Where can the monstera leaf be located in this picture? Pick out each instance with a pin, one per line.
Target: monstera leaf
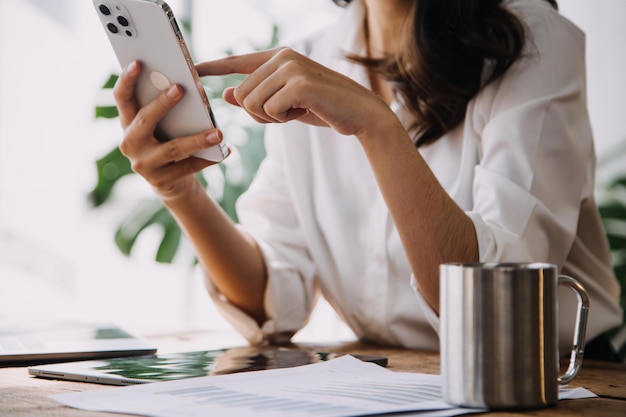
(111, 168)
(148, 213)
(613, 213)
(108, 112)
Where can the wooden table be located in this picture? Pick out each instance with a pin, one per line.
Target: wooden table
(21, 395)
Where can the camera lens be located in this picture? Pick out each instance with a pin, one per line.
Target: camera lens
(122, 21)
(112, 28)
(104, 10)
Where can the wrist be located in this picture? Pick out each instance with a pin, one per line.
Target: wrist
(379, 134)
(181, 193)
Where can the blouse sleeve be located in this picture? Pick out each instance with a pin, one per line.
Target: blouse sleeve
(536, 159)
(267, 213)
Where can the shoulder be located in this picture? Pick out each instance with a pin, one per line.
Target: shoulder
(553, 59)
(546, 26)
(547, 83)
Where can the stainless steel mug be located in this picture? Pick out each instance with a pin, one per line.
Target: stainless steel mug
(499, 334)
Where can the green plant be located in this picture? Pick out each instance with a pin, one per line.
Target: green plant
(612, 208)
(114, 166)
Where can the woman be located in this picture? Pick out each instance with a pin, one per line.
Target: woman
(409, 134)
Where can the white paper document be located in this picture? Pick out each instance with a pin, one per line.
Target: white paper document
(340, 387)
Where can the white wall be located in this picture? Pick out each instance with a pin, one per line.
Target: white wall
(57, 257)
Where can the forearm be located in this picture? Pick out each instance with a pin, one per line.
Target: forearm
(433, 228)
(231, 259)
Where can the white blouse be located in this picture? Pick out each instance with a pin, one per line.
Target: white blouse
(521, 165)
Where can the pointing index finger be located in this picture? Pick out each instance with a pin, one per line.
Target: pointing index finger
(236, 64)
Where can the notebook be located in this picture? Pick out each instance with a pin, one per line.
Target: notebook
(20, 346)
(173, 366)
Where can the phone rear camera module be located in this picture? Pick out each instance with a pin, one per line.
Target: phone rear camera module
(115, 18)
(104, 10)
(112, 28)
(122, 21)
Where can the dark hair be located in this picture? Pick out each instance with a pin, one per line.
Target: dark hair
(438, 66)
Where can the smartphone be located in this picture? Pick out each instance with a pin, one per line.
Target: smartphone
(146, 31)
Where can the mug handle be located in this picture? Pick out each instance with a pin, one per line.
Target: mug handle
(576, 357)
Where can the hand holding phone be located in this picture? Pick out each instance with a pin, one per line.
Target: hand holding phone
(146, 31)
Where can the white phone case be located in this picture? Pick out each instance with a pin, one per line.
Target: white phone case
(146, 30)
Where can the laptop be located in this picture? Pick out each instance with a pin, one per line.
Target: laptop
(62, 342)
(173, 366)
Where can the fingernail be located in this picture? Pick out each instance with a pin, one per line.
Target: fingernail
(173, 92)
(132, 68)
(214, 137)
